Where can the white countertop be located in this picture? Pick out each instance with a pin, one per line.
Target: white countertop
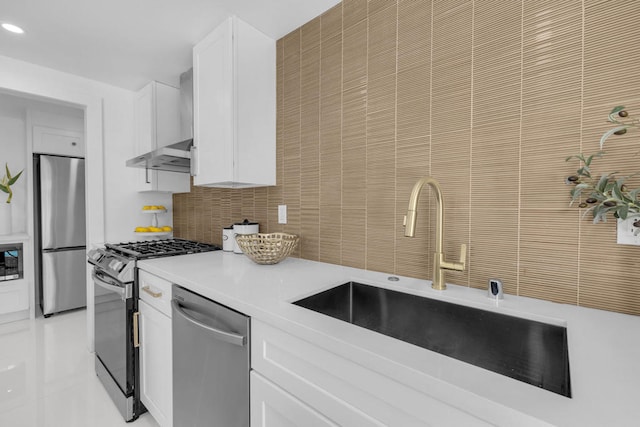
(14, 238)
(604, 347)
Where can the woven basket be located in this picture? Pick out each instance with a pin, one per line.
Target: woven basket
(267, 248)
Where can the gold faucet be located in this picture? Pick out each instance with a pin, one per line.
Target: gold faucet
(439, 263)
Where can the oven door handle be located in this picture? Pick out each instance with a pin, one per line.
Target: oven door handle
(229, 337)
(120, 290)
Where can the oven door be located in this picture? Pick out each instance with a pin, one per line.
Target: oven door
(113, 329)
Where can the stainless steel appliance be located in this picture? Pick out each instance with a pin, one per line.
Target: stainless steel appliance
(60, 233)
(210, 362)
(114, 277)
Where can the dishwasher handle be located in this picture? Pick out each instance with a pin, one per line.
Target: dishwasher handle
(235, 339)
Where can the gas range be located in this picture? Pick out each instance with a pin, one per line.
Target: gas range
(160, 248)
(116, 314)
(118, 260)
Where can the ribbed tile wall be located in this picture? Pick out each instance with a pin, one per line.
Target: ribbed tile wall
(487, 96)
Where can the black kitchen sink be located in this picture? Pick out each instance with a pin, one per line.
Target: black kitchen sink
(526, 350)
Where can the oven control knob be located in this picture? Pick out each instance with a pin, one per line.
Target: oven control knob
(115, 265)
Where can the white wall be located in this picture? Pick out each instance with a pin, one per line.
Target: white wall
(58, 120)
(123, 203)
(14, 153)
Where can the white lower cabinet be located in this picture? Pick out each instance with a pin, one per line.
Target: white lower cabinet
(14, 296)
(271, 406)
(156, 376)
(306, 378)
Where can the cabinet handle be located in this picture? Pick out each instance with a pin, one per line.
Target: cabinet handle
(194, 160)
(146, 176)
(148, 290)
(136, 335)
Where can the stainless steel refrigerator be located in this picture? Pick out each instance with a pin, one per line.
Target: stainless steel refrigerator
(60, 233)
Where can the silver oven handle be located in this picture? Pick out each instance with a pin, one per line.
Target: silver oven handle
(120, 290)
(229, 337)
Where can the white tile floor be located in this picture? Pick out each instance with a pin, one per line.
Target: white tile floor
(47, 377)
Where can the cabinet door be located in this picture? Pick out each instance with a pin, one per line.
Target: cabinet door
(234, 75)
(14, 296)
(271, 406)
(255, 106)
(156, 380)
(213, 106)
(62, 142)
(157, 124)
(345, 391)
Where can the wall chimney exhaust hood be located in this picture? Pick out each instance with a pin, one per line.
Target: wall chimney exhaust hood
(172, 158)
(175, 157)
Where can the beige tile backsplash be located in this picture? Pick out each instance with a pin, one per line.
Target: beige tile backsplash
(488, 97)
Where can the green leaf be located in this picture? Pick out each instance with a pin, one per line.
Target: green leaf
(596, 213)
(602, 184)
(575, 156)
(617, 109)
(587, 211)
(4, 189)
(584, 171)
(577, 191)
(609, 187)
(623, 211)
(6, 166)
(616, 192)
(613, 112)
(593, 156)
(15, 178)
(611, 132)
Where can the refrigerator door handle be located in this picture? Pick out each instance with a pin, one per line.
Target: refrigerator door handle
(120, 290)
(229, 337)
(62, 249)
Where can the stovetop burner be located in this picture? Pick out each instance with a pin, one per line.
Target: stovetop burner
(160, 248)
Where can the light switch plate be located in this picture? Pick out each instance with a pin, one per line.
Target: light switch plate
(282, 214)
(626, 232)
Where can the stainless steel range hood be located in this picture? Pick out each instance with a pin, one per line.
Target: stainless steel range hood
(172, 158)
(175, 157)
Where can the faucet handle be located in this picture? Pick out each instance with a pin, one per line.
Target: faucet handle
(463, 255)
(455, 266)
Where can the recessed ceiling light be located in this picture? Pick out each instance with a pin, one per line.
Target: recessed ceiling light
(12, 28)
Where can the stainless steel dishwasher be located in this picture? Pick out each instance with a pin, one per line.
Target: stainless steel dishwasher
(210, 363)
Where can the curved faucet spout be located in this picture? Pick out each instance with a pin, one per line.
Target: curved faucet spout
(439, 264)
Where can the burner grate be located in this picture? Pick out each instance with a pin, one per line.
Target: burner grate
(160, 248)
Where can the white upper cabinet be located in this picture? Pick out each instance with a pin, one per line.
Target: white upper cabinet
(157, 124)
(234, 76)
(62, 142)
